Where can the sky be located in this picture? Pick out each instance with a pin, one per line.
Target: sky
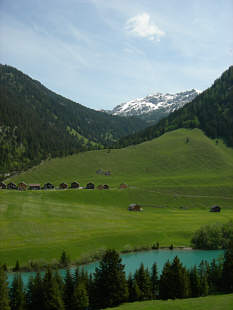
(101, 53)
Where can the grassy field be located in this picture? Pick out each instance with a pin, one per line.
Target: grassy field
(219, 302)
(176, 183)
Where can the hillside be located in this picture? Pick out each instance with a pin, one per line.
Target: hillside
(211, 111)
(36, 123)
(219, 302)
(174, 181)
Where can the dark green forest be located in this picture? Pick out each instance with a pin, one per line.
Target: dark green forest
(211, 111)
(109, 286)
(36, 123)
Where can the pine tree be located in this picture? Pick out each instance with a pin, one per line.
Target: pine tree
(227, 273)
(4, 297)
(154, 282)
(68, 295)
(52, 298)
(81, 299)
(142, 277)
(110, 282)
(165, 282)
(17, 295)
(195, 284)
(64, 259)
(134, 290)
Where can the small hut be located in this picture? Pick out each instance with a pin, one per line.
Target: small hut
(34, 187)
(11, 186)
(2, 185)
(107, 173)
(90, 186)
(134, 207)
(22, 186)
(215, 209)
(63, 186)
(106, 186)
(74, 185)
(123, 185)
(48, 186)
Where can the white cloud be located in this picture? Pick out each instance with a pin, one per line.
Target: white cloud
(142, 26)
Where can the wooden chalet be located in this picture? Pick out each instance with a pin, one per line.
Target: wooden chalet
(107, 173)
(22, 186)
(48, 186)
(90, 186)
(123, 185)
(63, 186)
(134, 207)
(75, 185)
(106, 186)
(3, 185)
(11, 186)
(34, 187)
(215, 209)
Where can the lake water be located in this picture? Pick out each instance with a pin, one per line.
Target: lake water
(132, 261)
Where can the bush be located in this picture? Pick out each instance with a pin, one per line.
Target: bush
(213, 237)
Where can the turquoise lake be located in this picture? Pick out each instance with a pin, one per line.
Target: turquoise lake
(133, 260)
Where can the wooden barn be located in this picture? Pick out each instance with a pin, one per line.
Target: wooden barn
(34, 187)
(11, 186)
(90, 186)
(22, 186)
(63, 186)
(215, 209)
(134, 207)
(48, 186)
(75, 185)
(2, 185)
(123, 185)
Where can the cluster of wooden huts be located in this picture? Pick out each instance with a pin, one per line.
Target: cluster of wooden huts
(22, 186)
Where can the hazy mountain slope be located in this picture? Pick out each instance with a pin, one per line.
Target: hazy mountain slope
(156, 106)
(211, 111)
(36, 123)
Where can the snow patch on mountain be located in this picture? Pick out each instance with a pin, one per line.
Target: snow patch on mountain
(165, 103)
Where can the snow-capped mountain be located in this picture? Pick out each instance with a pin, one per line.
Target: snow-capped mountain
(155, 106)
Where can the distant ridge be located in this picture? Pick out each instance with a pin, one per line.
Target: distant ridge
(155, 106)
(211, 111)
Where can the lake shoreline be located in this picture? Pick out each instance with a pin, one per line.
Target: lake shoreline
(94, 258)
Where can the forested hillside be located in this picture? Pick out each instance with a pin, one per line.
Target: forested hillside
(36, 123)
(211, 111)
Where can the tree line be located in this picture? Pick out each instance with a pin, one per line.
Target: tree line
(108, 286)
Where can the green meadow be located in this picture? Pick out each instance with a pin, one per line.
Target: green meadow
(175, 182)
(219, 302)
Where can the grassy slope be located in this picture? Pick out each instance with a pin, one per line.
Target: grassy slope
(220, 302)
(164, 172)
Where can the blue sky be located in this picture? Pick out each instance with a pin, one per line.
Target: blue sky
(101, 53)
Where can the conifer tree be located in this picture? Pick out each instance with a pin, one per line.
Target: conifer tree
(142, 276)
(165, 282)
(52, 298)
(81, 299)
(227, 273)
(195, 284)
(64, 259)
(4, 297)
(68, 295)
(154, 282)
(134, 290)
(110, 282)
(17, 295)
